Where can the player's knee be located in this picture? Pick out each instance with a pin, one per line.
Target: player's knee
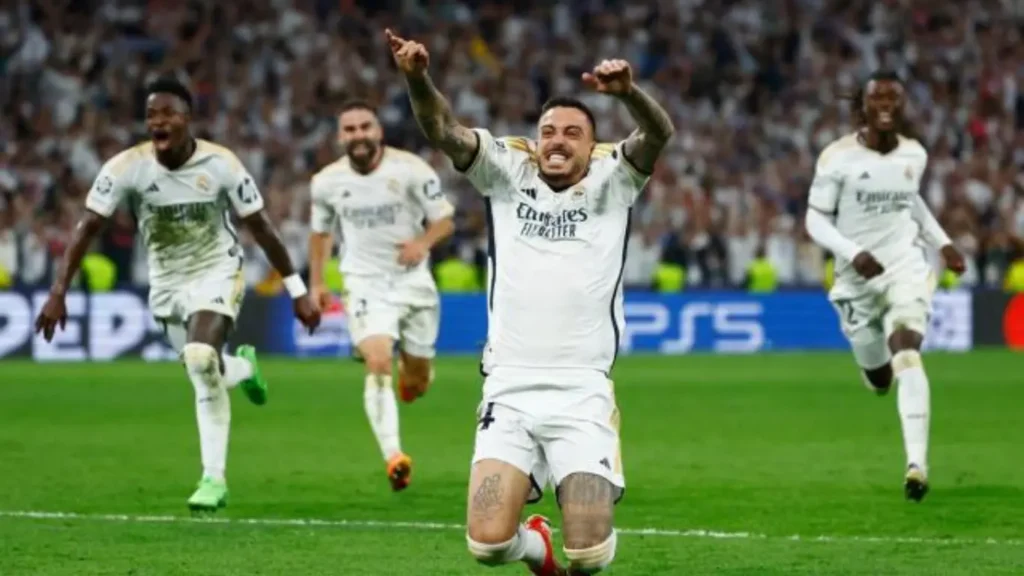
(906, 360)
(490, 546)
(590, 559)
(378, 363)
(202, 360)
(907, 335)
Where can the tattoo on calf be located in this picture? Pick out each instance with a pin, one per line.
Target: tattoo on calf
(489, 497)
(586, 489)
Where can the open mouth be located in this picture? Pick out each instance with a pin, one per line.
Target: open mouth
(885, 117)
(557, 159)
(161, 136)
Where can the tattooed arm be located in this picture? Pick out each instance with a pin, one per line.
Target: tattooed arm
(654, 129)
(438, 123)
(432, 111)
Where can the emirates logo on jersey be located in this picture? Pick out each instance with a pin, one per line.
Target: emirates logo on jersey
(549, 225)
(885, 201)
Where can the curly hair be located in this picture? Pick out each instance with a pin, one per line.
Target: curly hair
(903, 128)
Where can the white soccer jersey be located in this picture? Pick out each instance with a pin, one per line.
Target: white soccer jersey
(872, 196)
(379, 210)
(555, 259)
(183, 213)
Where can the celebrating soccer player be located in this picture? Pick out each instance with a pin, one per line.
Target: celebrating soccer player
(558, 211)
(381, 196)
(180, 188)
(865, 208)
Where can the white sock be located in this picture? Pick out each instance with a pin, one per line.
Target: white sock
(235, 370)
(526, 546)
(382, 411)
(213, 411)
(914, 399)
(533, 546)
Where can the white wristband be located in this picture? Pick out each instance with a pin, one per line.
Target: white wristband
(295, 286)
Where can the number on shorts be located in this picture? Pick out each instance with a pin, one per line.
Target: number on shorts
(488, 418)
(846, 310)
(360, 309)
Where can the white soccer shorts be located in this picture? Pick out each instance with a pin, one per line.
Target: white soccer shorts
(870, 318)
(372, 313)
(219, 291)
(550, 433)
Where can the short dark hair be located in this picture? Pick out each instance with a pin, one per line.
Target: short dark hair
(904, 129)
(570, 102)
(357, 104)
(170, 85)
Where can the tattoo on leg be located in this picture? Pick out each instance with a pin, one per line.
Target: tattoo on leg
(586, 490)
(588, 503)
(489, 497)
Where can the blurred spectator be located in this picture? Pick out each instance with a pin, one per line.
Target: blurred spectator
(8, 252)
(643, 253)
(755, 88)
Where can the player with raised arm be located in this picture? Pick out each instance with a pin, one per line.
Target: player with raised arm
(558, 211)
(180, 189)
(381, 196)
(865, 208)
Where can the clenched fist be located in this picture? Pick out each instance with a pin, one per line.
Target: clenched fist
(613, 77)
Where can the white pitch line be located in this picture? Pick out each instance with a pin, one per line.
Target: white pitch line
(441, 526)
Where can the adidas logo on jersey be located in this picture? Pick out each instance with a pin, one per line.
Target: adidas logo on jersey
(531, 192)
(152, 188)
(218, 300)
(865, 176)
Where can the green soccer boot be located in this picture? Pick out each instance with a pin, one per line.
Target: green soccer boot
(255, 387)
(209, 496)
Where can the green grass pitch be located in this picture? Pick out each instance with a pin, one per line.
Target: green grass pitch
(787, 462)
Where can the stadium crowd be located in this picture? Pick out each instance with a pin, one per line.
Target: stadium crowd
(756, 89)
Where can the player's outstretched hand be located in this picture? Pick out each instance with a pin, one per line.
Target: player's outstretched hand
(411, 57)
(954, 259)
(614, 77)
(866, 265)
(307, 312)
(53, 314)
(412, 252)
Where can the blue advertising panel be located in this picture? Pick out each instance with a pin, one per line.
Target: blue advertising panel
(701, 322)
(118, 324)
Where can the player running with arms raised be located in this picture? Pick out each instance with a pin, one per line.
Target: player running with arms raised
(559, 212)
(865, 208)
(180, 188)
(381, 196)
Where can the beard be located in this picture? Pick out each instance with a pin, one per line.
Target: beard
(362, 151)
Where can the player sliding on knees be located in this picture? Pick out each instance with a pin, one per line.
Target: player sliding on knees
(180, 188)
(865, 208)
(558, 212)
(381, 196)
